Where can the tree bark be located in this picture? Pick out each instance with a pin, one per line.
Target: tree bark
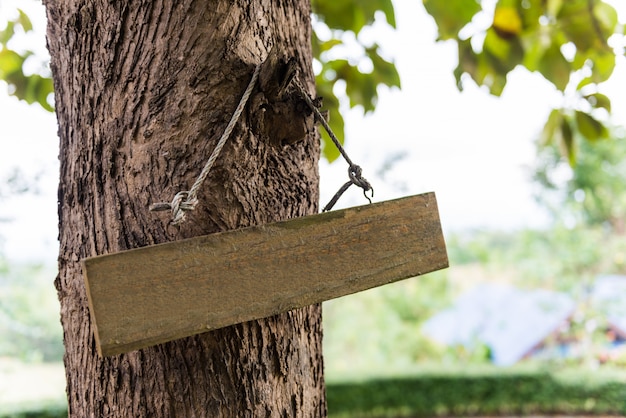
(143, 91)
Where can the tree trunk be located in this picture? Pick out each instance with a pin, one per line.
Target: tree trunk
(143, 90)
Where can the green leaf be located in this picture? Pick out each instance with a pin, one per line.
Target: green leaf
(319, 46)
(599, 100)
(531, 11)
(606, 18)
(7, 33)
(10, 63)
(24, 21)
(361, 90)
(38, 89)
(328, 45)
(496, 83)
(500, 56)
(567, 142)
(600, 60)
(30, 88)
(580, 25)
(484, 70)
(497, 46)
(390, 14)
(584, 82)
(603, 65)
(352, 15)
(575, 23)
(468, 62)
(384, 71)
(553, 7)
(589, 127)
(550, 128)
(508, 52)
(554, 67)
(451, 15)
(33, 88)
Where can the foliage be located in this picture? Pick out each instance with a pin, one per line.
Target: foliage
(380, 328)
(340, 21)
(33, 88)
(29, 321)
(573, 44)
(336, 32)
(593, 192)
(560, 258)
(30, 409)
(484, 393)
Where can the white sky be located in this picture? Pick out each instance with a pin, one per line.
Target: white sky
(470, 148)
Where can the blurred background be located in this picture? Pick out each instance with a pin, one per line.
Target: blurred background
(530, 318)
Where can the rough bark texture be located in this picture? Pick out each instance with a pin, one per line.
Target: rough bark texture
(144, 89)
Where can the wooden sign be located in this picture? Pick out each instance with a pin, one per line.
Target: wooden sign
(155, 294)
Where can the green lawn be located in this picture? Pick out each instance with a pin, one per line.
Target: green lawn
(31, 387)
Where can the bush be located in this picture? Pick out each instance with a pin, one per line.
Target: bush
(42, 410)
(487, 393)
(30, 327)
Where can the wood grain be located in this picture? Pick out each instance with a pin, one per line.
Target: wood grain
(155, 294)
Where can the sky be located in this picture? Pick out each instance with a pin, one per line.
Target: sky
(472, 149)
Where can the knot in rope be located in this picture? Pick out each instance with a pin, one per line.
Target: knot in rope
(181, 203)
(354, 172)
(186, 201)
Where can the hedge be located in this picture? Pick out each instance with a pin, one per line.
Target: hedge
(510, 393)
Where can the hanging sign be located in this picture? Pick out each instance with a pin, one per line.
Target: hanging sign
(159, 293)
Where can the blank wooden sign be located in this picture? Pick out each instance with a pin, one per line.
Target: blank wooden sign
(163, 292)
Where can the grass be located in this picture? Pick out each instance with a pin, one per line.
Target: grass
(31, 388)
(484, 390)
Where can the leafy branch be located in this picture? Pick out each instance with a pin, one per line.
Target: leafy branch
(32, 88)
(567, 42)
(341, 19)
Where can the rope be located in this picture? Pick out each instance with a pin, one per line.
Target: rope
(185, 201)
(354, 171)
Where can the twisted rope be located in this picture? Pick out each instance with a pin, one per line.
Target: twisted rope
(185, 201)
(354, 171)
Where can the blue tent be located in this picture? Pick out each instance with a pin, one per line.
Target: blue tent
(609, 297)
(510, 321)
